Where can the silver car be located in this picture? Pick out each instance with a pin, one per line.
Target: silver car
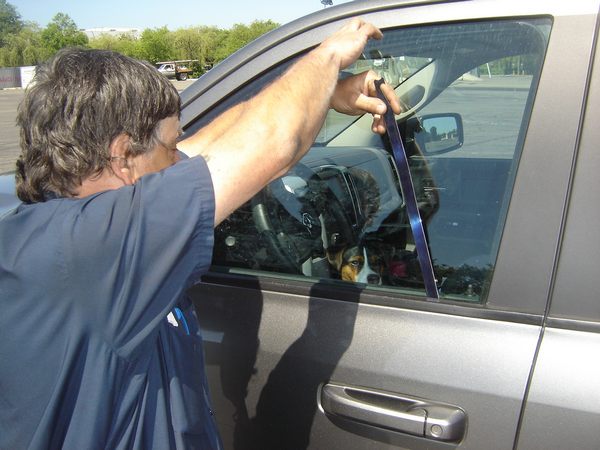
(445, 300)
(501, 105)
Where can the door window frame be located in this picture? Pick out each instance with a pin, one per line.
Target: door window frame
(521, 279)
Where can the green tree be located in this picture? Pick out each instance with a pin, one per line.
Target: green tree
(212, 39)
(260, 27)
(10, 21)
(199, 43)
(241, 35)
(156, 45)
(62, 32)
(103, 42)
(187, 43)
(129, 45)
(24, 48)
(25, 43)
(126, 43)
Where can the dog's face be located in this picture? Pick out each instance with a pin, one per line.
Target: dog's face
(356, 264)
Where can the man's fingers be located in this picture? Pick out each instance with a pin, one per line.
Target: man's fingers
(371, 30)
(372, 105)
(378, 125)
(350, 40)
(386, 89)
(353, 24)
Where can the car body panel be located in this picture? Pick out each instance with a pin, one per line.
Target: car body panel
(563, 401)
(580, 246)
(536, 210)
(482, 365)
(167, 70)
(564, 392)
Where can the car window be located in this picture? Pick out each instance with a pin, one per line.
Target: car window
(340, 214)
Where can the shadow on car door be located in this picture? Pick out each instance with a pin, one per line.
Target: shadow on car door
(287, 404)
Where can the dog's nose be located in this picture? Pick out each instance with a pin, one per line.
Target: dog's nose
(373, 278)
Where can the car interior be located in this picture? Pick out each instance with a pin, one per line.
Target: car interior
(346, 190)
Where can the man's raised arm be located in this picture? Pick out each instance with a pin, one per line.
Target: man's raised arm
(261, 139)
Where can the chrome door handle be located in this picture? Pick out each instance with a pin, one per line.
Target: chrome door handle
(395, 412)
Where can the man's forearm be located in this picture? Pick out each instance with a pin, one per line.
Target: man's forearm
(282, 119)
(260, 139)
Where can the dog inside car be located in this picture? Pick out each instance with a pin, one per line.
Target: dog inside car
(351, 256)
(357, 263)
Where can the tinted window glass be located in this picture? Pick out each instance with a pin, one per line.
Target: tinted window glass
(340, 214)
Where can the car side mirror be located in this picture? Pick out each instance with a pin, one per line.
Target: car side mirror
(438, 133)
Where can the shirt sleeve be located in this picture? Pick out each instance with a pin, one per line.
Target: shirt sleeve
(133, 251)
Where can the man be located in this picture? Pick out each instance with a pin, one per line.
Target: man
(98, 346)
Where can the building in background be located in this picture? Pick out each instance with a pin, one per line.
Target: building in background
(92, 33)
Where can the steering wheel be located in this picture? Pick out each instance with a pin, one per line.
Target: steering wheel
(290, 214)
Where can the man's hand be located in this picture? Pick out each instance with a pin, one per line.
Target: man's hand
(349, 41)
(356, 95)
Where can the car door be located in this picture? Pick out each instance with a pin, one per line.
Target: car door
(565, 389)
(298, 358)
(169, 70)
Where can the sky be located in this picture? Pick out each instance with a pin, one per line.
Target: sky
(169, 13)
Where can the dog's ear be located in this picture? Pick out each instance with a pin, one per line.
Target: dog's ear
(378, 247)
(334, 256)
(335, 251)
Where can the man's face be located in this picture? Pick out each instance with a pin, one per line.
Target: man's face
(164, 155)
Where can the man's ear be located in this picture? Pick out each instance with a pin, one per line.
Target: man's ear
(119, 150)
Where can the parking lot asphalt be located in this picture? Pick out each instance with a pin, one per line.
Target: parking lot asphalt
(9, 133)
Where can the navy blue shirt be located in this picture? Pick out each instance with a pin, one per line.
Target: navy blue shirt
(99, 348)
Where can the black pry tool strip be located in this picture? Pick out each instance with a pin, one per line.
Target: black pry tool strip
(410, 199)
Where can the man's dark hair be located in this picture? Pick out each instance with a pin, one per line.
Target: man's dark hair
(79, 102)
